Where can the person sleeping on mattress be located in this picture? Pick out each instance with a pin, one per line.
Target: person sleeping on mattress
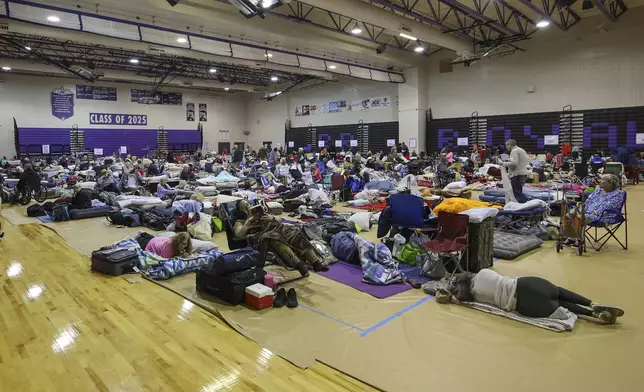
(529, 296)
(179, 245)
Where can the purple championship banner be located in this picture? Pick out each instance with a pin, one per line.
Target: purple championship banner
(118, 119)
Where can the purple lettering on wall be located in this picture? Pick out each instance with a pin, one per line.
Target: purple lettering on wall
(326, 138)
(527, 130)
(447, 137)
(600, 131)
(507, 134)
(346, 139)
(631, 135)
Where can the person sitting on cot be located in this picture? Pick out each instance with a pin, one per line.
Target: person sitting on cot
(179, 245)
(164, 190)
(286, 241)
(529, 296)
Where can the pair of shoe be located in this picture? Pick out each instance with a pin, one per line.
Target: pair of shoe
(283, 298)
(606, 313)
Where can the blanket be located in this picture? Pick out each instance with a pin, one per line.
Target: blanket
(558, 324)
(159, 268)
(124, 201)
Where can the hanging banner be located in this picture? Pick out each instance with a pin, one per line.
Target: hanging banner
(123, 150)
(320, 143)
(45, 148)
(62, 103)
(98, 151)
(380, 102)
(337, 106)
(551, 140)
(412, 143)
(203, 112)
(639, 138)
(361, 105)
(298, 111)
(96, 93)
(391, 142)
(338, 143)
(313, 109)
(354, 143)
(291, 144)
(118, 119)
(306, 110)
(190, 111)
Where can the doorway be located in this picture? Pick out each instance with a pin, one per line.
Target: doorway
(223, 146)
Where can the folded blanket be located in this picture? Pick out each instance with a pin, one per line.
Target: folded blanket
(124, 201)
(561, 320)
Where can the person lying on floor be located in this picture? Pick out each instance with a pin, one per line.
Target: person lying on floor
(606, 197)
(179, 245)
(286, 241)
(529, 296)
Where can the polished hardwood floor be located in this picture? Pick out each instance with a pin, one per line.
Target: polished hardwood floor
(64, 328)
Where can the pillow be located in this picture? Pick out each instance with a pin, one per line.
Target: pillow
(456, 185)
(361, 220)
(199, 246)
(479, 214)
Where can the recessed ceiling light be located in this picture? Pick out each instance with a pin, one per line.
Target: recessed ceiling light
(419, 49)
(269, 55)
(5, 68)
(274, 78)
(332, 67)
(542, 24)
(227, 88)
(182, 40)
(134, 61)
(267, 3)
(356, 30)
(53, 18)
(410, 37)
(212, 70)
(27, 47)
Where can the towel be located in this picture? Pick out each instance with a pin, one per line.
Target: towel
(561, 320)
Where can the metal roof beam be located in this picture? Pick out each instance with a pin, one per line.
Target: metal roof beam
(611, 9)
(567, 17)
(480, 17)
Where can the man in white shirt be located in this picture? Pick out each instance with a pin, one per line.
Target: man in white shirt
(517, 169)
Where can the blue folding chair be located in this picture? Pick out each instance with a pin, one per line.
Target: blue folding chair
(610, 220)
(407, 211)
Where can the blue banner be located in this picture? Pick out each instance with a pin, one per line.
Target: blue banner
(62, 103)
(118, 119)
(96, 93)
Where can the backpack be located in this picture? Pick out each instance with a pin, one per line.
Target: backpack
(35, 211)
(155, 221)
(238, 260)
(119, 218)
(60, 213)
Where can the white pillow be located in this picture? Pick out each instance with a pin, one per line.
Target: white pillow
(455, 185)
(361, 220)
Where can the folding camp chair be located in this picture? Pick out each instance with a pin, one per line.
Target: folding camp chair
(452, 238)
(610, 220)
(407, 211)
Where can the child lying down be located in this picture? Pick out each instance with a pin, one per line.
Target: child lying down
(529, 296)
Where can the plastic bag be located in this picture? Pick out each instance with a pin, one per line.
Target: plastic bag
(507, 186)
(201, 230)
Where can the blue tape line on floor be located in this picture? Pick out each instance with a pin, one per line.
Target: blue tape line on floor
(332, 318)
(495, 259)
(394, 316)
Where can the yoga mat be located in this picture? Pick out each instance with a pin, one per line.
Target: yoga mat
(351, 275)
(413, 273)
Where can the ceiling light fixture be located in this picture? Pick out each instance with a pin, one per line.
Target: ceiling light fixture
(5, 68)
(227, 88)
(134, 61)
(53, 18)
(274, 79)
(332, 67)
(269, 55)
(212, 70)
(409, 37)
(542, 24)
(27, 47)
(267, 3)
(182, 40)
(419, 49)
(356, 30)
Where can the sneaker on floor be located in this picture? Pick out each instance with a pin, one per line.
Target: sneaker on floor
(615, 311)
(605, 316)
(291, 299)
(280, 298)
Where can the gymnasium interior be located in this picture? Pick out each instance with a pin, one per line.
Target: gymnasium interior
(321, 195)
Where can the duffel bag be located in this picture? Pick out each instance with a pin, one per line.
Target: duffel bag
(230, 287)
(118, 218)
(35, 210)
(60, 213)
(291, 205)
(155, 221)
(236, 261)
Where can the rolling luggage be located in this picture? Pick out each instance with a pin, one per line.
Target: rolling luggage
(114, 261)
(228, 287)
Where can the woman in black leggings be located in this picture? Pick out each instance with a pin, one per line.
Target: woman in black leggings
(529, 296)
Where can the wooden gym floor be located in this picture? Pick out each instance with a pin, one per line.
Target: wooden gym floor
(64, 328)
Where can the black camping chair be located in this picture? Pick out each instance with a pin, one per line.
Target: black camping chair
(229, 224)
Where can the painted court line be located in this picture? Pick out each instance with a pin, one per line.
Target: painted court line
(332, 318)
(395, 316)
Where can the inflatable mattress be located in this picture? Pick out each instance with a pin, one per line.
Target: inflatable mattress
(90, 212)
(509, 246)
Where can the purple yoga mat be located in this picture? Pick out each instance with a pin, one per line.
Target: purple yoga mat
(351, 275)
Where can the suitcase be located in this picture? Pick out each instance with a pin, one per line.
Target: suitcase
(229, 287)
(481, 239)
(114, 261)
